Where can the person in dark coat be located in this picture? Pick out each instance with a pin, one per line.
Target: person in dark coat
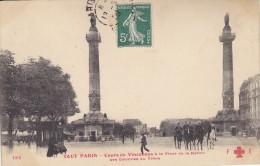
(209, 131)
(258, 135)
(51, 148)
(143, 144)
(29, 142)
(133, 136)
(186, 128)
(178, 131)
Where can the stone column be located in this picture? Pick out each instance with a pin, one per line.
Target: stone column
(228, 88)
(93, 38)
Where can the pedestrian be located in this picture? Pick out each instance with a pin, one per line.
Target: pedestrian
(29, 142)
(133, 136)
(123, 136)
(143, 144)
(50, 148)
(258, 135)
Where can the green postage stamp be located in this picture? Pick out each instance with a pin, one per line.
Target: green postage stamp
(134, 25)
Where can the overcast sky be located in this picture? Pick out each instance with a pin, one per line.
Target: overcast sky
(179, 77)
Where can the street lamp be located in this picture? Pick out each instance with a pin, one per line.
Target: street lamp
(35, 117)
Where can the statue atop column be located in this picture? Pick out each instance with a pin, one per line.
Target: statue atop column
(226, 20)
(93, 23)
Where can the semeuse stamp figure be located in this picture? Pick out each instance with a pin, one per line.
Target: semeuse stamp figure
(134, 25)
(130, 22)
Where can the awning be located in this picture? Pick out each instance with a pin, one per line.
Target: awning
(25, 133)
(67, 133)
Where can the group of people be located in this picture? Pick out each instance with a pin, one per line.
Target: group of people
(28, 140)
(125, 135)
(190, 134)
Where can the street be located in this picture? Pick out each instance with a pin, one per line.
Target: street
(162, 150)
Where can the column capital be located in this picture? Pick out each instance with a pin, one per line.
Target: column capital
(93, 37)
(227, 37)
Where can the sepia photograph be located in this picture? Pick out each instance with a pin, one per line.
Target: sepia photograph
(129, 82)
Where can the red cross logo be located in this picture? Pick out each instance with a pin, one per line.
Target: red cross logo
(239, 151)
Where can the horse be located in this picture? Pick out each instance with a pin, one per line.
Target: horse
(175, 139)
(211, 139)
(179, 139)
(189, 138)
(132, 138)
(199, 135)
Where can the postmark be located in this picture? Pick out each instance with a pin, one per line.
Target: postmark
(134, 25)
(105, 11)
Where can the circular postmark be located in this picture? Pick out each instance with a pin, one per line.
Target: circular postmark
(105, 10)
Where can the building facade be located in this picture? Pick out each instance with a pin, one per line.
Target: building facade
(249, 100)
(137, 124)
(244, 102)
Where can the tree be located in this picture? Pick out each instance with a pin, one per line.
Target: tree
(129, 130)
(168, 127)
(69, 127)
(22, 125)
(10, 98)
(47, 92)
(118, 128)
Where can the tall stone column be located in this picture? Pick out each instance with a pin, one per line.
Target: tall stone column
(228, 88)
(94, 39)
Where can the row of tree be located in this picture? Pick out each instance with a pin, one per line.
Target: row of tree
(34, 89)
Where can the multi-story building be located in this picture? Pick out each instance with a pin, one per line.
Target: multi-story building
(244, 103)
(249, 100)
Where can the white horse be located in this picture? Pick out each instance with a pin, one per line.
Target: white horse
(212, 137)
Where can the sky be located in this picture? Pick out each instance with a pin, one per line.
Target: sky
(180, 76)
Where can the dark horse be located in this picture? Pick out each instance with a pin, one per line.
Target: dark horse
(199, 134)
(175, 139)
(189, 138)
(179, 139)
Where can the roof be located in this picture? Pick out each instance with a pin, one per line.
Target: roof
(84, 122)
(132, 121)
(108, 121)
(244, 84)
(78, 122)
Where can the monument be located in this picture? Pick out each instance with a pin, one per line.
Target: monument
(227, 121)
(228, 88)
(93, 38)
(94, 124)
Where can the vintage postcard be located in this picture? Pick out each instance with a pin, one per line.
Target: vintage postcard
(129, 82)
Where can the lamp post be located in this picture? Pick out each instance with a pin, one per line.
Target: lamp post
(36, 116)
